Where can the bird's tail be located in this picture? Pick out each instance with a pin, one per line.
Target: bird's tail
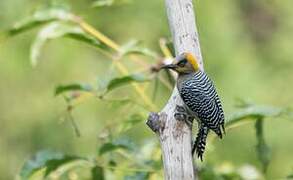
(220, 130)
(200, 141)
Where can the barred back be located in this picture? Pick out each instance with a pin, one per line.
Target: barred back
(200, 96)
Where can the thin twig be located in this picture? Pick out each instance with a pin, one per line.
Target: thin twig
(94, 32)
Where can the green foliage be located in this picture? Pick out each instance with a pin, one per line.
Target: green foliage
(118, 157)
(41, 17)
(290, 176)
(138, 176)
(71, 87)
(228, 171)
(135, 47)
(118, 103)
(56, 30)
(253, 112)
(52, 161)
(130, 122)
(121, 143)
(45, 159)
(97, 173)
(263, 150)
(102, 3)
(120, 81)
(250, 112)
(59, 22)
(209, 172)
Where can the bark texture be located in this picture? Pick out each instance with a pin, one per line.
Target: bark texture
(176, 136)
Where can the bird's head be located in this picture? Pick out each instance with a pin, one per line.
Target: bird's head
(184, 63)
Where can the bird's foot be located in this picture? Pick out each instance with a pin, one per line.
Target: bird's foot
(181, 114)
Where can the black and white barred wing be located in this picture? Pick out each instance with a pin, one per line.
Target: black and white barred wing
(200, 96)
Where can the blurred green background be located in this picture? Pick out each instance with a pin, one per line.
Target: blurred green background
(247, 49)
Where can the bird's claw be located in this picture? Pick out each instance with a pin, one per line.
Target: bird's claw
(181, 114)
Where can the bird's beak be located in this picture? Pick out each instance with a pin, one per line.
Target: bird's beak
(168, 66)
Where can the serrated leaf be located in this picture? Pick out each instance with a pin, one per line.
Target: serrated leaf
(252, 113)
(41, 17)
(120, 81)
(56, 30)
(122, 143)
(45, 159)
(263, 150)
(97, 173)
(134, 47)
(71, 87)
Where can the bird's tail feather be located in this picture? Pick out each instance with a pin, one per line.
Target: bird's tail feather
(200, 141)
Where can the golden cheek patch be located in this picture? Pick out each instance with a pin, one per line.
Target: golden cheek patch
(192, 60)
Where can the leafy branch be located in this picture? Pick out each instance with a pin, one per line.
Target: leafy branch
(63, 23)
(58, 22)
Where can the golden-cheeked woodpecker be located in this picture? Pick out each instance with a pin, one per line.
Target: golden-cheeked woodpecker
(200, 98)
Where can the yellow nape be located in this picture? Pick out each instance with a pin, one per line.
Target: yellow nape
(192, 60)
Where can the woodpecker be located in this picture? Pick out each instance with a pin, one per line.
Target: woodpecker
(200, 99)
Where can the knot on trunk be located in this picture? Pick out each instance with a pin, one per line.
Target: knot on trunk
(156, 121)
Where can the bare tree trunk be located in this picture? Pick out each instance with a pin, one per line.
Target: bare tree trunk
(176, 136)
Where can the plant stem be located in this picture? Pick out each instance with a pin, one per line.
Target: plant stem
(97, 34)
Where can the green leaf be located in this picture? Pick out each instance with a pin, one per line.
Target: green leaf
(134, 47)
(100, 3)
(41, 17)
(138, 176)
(108, 147)
(121, 143)
(133, 120)
(290, 176)
(120, 81)
(71, 87)
(263, 150)
(253, 112)
(45, 159)
(103, 3)
(243, 103)
(98, 173)
(220, 172)
(56, 30)
(86, 39)
(170, 46)
(208, 172)
(153, 164)
(112, 163)
(118, 103)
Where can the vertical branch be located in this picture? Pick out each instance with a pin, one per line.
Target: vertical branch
(176, 136)
(183, 27)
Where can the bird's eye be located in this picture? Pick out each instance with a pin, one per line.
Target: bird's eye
(182, 63)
